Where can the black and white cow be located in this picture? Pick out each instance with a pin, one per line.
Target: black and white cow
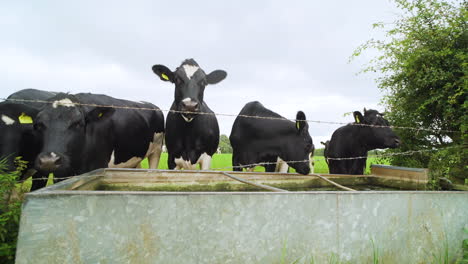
(257, 140)
(192, 132)
(81, 133)
(354, 140)
(17, 138)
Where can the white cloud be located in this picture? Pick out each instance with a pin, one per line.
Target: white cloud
(290, 56)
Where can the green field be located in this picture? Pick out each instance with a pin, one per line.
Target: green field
(224, 162)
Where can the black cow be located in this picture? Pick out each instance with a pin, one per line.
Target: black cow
(81, 133)
(17, 138)
(192, 132)
(256, 140)
(354, 140)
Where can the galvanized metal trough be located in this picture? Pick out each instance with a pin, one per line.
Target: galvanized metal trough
(155, 216)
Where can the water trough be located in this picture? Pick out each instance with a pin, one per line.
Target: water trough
(157, 216)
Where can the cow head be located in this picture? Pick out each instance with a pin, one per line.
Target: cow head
(376, 137)
(15, 131)
(302, 147)
(190, 82)
(62, 125)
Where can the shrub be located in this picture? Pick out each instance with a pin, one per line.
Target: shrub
(10, 211)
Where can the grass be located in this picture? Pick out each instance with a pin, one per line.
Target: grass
(223, 162)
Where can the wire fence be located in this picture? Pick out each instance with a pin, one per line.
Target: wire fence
(247, 166)
(235, 115)
(386, 155)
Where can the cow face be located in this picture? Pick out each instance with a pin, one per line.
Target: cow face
(376, 137)
(302, 147)
(15, 131)
(190, 82)
(62, 126)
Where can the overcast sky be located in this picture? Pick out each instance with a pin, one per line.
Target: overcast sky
(289, 55)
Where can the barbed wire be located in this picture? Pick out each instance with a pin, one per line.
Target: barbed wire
(386, 155)
(235, 115)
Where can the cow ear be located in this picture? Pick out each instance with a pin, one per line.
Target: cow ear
(21, 113)
(358, 118)
(27, 115)
(99, 113)
(163, 72)
(301, 122)
(216, 76)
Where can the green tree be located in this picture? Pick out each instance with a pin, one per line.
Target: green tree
(225, 144)
(422, 68)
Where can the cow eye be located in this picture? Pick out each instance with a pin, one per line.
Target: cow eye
(39, 126)
(75, 125)
(179, 81)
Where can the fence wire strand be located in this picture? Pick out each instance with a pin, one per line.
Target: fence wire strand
(406, 153)
(387, 155)
(417, 129)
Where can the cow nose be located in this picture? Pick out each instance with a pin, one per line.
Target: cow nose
(49, 162)
(397, 142)
(190, 105)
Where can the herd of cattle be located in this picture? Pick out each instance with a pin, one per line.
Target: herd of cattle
(67, 134)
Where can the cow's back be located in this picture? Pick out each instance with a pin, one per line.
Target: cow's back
(255, 122)
(345, 143)
(32, 97)
(257, 135)
(133, 124)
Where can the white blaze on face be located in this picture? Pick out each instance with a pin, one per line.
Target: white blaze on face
(7, 120)
(64, 102)
(190, 70)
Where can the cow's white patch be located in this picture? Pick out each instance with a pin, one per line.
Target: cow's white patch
(53, 154)
(64, 102)
(187, 100)
(184, 164)
(204, 160)
(187, 119)
(190, 70)
(251, 169)
(311, 163)
(131, 163)
(154, 150)
(7, 120)
(281, 166)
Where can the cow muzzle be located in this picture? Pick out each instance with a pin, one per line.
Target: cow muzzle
(190, 109)
(48, 162)
(394, 142)
(190, 106)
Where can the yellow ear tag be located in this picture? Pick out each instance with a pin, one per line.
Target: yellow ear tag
(297, 124)
(357, 119)
(25, 119)
(100, 115)
(164, 76)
